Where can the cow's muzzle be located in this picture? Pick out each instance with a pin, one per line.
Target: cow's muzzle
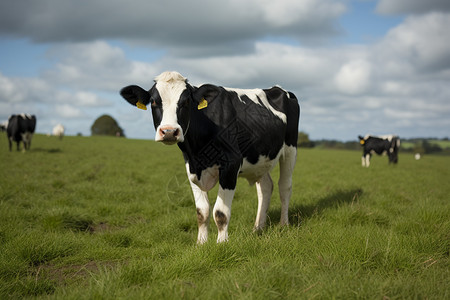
(169, 135)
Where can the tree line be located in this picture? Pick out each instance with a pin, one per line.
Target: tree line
(106, 125)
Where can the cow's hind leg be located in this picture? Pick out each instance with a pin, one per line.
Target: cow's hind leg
(202, 205)
(287, 163)
(264, 188)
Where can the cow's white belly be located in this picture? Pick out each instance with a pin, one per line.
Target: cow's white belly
(254, 172)
(208, 178)
(26, 136)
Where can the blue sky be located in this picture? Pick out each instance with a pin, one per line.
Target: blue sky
(362, 24)
(357, 67)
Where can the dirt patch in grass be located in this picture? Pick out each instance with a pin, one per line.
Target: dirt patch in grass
(72, 273)
(102, 227)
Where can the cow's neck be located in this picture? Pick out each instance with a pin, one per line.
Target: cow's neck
(196, 136)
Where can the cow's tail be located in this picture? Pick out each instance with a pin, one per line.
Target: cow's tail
(293, 119)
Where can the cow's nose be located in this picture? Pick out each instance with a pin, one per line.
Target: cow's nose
(169, 134)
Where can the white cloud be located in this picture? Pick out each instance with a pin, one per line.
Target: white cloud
(284, 13)
(95, 65)
(22, 90)
(8, 89)
(421, 43)
(68, 111)
(88, 99)
(180, 26)
(411, 6)
(353, 77)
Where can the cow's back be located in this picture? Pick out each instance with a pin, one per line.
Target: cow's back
(265, 122)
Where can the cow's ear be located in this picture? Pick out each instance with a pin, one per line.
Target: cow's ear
(206, 92)
(134, 94)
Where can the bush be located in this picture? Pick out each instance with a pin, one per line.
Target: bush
(304, 141)
(106, 125)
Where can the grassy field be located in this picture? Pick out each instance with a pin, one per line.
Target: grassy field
(111, 218)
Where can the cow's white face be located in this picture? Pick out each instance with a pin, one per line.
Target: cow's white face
(169, 98)
(166, 105)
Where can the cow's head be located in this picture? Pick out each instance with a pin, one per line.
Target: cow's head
(362, 140)
(169, 99)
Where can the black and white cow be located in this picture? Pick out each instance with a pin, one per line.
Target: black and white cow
(3, 126)
(225, 133)
(386, 144)
(21, 128)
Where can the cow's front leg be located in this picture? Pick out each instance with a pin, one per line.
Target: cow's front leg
(367, 160)
(222, 212)
(222, 208)
(202, 205)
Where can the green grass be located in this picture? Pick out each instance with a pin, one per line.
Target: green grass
(110, 218)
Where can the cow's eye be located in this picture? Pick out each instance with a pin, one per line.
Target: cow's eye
(156, 103)
(155, 99)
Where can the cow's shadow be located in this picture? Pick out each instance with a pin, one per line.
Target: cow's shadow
(299, 212)
(51, 150)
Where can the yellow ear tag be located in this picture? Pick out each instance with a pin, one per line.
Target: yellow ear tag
(140, 105)
(362, 142)
(202, 104)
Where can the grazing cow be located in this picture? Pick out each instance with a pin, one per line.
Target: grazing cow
(58, 130)
(21, 128)
(225, 133)
(387, 144)
(3, 126)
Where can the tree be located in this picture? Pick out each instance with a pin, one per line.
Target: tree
(426, 147)
(106, 125)
(303, 140)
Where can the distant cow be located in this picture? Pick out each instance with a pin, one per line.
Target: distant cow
(3, 126)
(58, 130)
(21, 128)
(387, 144)
(225, 133)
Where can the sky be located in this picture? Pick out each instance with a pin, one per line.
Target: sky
(356, 66)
